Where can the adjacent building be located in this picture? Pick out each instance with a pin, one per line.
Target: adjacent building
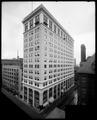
(86, 82)
(12, 75)
(48, 59)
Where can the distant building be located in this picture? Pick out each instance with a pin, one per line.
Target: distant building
(86, 81)
(83, 53)
(12, 75)
(48, 59)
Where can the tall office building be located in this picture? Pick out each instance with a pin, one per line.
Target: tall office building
(83, 53)
(48, 61)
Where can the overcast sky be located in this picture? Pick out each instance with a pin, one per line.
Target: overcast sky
(78, 18)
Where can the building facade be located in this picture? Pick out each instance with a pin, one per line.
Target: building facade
(48, 62)
(12, 75)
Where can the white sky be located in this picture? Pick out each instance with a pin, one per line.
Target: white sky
(78, 18)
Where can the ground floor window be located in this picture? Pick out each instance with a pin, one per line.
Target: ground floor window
(50, 92)
(44, 96)
(66, 85)
(25, 94)
(30, 96)
(55, 92)
(58, 89)
(36, 98)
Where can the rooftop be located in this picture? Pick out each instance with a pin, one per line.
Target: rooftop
(88, 66)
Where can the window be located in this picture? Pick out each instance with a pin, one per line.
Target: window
(55, 92)
(37, 78)
(55, 28)
(36, 98)
(66, 84)
(30, 49)
(30, 71)
(62, 85)
(61, 33)
(36, 72)
(25, 65)
(37, 66)
(45, 78)
(45, 66)
(36, 59)
(26, 27)
(45, 72)
(31, 23)
(30, 96)
(25, 94)
(36, 19)
(50, 24)
(45, 20)
(58, 31)
(58, 89)
(30, 66)
(37, 48)
(44, 96)
(50, 92)
(31, 77)
(37, 84)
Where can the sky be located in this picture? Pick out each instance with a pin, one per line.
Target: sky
(77, 18)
